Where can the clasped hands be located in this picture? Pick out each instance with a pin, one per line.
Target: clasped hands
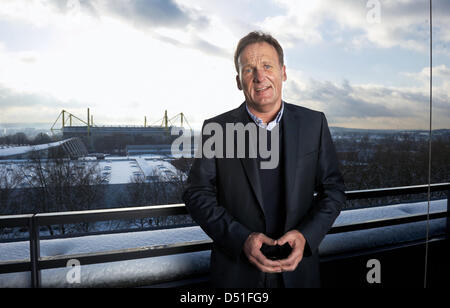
(252, 249)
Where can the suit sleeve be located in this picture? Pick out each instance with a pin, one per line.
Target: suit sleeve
(330, 198)
(200, 198)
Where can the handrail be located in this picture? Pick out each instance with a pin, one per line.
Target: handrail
(179, 209)
(37, 263)
(9, 221)
(384, 222)
(110, 214)
(395, 191)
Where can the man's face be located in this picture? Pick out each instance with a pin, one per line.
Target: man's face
(260, 76)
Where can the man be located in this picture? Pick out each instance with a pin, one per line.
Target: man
(245, 208)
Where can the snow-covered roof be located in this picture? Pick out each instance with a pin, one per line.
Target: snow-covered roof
(20, 150)
(121, 171)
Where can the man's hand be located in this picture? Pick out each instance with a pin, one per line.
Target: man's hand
(297, 242)
(252, 249)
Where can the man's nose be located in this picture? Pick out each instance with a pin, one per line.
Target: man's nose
(259, 75)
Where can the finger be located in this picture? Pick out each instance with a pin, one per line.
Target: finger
(266, 269)
(263, 268)
(267, 240)
(282, 240)
(293, 259)
(285, 239)
(289, 267)
(263, 260)
(289, 260)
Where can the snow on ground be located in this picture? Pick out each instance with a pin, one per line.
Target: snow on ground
(104, 242)
(121, 170)
(123, 273)
(167, 268)
(336, 243)
(157, 167)
(118, 169)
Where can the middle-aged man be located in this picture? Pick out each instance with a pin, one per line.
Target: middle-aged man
(245, 208)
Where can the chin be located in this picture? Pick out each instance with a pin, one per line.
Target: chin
(264, 103)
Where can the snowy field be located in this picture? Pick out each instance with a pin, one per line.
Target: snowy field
(121, 170)
(176, 267)
(117, 169)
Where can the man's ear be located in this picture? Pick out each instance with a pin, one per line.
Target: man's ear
(238, 82)
(284, 77)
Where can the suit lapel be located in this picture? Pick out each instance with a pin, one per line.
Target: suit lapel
(251, 169)
(291, 131)
(250, 165)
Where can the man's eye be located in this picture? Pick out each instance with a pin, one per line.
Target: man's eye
(267, 66)
(248, 70)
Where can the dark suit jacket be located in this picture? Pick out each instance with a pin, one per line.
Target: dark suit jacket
(223, 196)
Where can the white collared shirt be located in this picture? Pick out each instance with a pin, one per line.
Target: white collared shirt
(270, 125)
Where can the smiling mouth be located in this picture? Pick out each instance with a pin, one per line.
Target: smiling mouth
(262, 89)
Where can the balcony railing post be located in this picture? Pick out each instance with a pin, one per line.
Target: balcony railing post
(34, 253)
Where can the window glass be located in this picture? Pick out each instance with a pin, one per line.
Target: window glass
(437, 264)
(115, 77)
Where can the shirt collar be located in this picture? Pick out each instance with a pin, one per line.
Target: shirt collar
(270, 125)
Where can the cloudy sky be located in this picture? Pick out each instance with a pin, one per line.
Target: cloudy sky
(365, 63)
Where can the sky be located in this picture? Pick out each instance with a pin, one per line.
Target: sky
(364, 63)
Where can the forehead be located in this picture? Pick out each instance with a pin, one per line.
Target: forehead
(257, 52)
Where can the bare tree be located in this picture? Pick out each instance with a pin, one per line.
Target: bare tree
(158, 188)
(10, 180)
(60, 184)
(183, 166)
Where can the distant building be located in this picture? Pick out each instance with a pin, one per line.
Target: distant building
(156, 149)
(114, 139)
(160, 149)
(144, 131)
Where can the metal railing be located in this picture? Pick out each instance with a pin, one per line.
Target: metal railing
(36, 263)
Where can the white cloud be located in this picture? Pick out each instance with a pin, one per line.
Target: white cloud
(402, 23)
(120, 72)
(370, 105)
